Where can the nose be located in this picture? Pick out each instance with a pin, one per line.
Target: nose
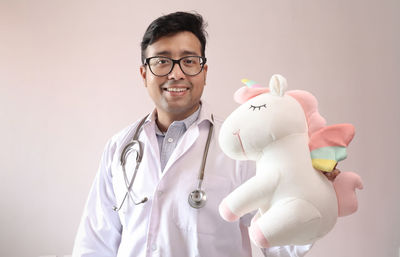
(176, 72)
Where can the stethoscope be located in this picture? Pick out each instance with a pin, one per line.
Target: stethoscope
(196, 199)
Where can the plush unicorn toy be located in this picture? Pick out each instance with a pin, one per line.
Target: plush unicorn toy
(286, 136)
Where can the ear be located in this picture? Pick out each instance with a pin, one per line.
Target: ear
(205, 69)
(143, 74)
(277, 85)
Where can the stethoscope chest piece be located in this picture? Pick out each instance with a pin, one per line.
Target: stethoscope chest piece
(197, 199)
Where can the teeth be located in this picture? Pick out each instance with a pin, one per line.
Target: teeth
(173, 89)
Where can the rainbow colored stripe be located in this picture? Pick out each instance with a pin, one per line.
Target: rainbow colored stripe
(328, 146)
(326, 158)
(251, 83)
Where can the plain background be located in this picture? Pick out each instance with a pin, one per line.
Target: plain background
(69, 79)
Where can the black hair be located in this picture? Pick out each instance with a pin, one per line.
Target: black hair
(170, 24)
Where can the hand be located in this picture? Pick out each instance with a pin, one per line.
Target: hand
(332, 175)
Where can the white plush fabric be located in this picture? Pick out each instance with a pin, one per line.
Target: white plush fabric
(296, 204)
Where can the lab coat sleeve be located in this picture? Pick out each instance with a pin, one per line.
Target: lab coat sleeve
(99, 232)
(278, 251)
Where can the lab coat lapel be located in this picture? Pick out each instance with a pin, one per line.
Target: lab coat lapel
(149, 131)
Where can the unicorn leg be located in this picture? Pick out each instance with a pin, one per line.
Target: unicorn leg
(247, 197)
(286, 222)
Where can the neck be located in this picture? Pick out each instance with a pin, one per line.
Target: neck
(165, 119)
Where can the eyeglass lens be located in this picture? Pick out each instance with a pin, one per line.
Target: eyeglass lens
(190, 65)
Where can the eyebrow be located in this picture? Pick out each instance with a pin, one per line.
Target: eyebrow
(168, 53)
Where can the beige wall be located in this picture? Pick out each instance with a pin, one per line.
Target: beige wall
(69, 80)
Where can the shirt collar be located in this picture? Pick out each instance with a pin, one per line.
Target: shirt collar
(192, 118)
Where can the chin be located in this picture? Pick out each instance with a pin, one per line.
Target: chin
(181, 108)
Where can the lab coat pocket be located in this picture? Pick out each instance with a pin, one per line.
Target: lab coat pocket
(205, 220)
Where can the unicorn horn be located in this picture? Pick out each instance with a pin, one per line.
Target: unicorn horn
(251, 83)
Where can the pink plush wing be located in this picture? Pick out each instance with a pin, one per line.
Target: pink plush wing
(334, 135)
(328, 145)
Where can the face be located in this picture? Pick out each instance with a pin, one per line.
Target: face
(175, 95)
(252, 127)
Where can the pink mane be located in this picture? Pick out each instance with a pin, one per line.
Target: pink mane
(310, 107)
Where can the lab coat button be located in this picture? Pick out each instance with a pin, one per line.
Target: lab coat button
(170, 140)
(154, 247)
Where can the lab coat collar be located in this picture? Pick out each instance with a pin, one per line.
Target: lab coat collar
(205, 114)
(151, 117)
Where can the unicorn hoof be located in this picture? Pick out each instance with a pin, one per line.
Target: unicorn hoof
(226, 213)
(258, 237)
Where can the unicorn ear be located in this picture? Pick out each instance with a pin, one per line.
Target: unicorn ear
(277, 85)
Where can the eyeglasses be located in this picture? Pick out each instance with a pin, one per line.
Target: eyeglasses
(162, 66)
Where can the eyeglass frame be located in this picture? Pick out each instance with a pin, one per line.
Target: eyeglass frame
(203, 59)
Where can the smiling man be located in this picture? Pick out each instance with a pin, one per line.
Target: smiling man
(162, 178)
(174, 74)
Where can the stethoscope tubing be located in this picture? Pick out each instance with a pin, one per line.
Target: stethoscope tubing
(203, 163)
(198, 197)
(123, 159)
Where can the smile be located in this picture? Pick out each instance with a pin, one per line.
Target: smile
(176, 89)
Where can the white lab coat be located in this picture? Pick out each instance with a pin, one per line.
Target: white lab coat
(166, 225)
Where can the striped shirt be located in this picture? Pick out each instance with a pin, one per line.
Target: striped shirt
(167, 141)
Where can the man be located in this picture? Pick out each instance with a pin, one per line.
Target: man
(155, 218)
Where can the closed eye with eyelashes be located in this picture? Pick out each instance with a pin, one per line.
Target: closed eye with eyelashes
(257, 107)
